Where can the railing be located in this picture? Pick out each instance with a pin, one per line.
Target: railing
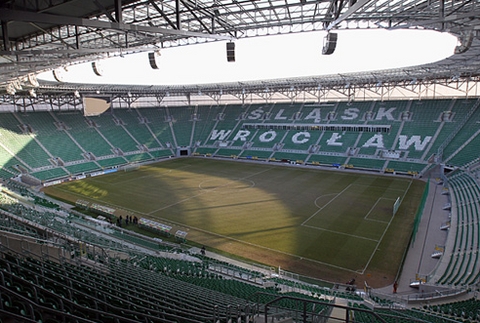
(401, 301)
(452, 135)
(305, 279)
(328, 311)
(434, 295)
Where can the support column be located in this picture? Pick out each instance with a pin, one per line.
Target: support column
(6, 42)
(118, 11)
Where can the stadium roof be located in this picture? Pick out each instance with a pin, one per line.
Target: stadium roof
(48, 34)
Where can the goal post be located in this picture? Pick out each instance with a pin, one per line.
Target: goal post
(131, 167)
(396, 205)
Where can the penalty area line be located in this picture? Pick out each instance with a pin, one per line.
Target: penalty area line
(333, 199)
(371, 210)
(270, 249)
(338, 232)
(383, 234)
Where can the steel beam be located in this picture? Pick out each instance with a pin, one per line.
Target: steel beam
(6, 41)
(350, 11)
(16, 15)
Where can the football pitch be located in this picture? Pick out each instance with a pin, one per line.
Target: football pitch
(321, 223)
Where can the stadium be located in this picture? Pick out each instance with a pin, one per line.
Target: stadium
(347, 197)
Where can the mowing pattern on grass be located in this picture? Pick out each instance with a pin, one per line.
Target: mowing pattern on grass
(334, 219)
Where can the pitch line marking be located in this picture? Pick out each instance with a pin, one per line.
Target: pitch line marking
(236, 240)
(132, 179)
(383, 234)
(315, 213)
(315, 202)
(338, 232)
(230, 238)
(202, 192)
(94, 199)
(371, 209)
(265, 248)
(229, 181)
(233, 239)
(159, 175)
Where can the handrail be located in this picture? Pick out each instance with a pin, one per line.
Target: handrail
(452, 135)
(325, 316)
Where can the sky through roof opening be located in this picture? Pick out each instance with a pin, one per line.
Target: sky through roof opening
(271, 57)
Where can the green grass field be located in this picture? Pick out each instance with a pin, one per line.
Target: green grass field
(326, 224)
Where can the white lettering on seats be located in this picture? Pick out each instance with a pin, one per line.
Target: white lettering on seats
(220, 134)
(242, 135)
(350, 114)
(256, 114)
(375, 141)
(296, 137)
(405, 143)
(333, 140)
(315, 115)
(267, 136)
(385, 113)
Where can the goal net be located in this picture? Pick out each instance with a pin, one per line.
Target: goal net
(131, 167)
(396, 205)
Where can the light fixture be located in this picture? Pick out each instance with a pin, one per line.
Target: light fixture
(11, 89)
(17, 85)
(329, 43)
(152, 59)
(465, 43)
(230, 52)
(76, 94)
(32, 93)
(32, 79)
(97, 68)
(59, 73)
